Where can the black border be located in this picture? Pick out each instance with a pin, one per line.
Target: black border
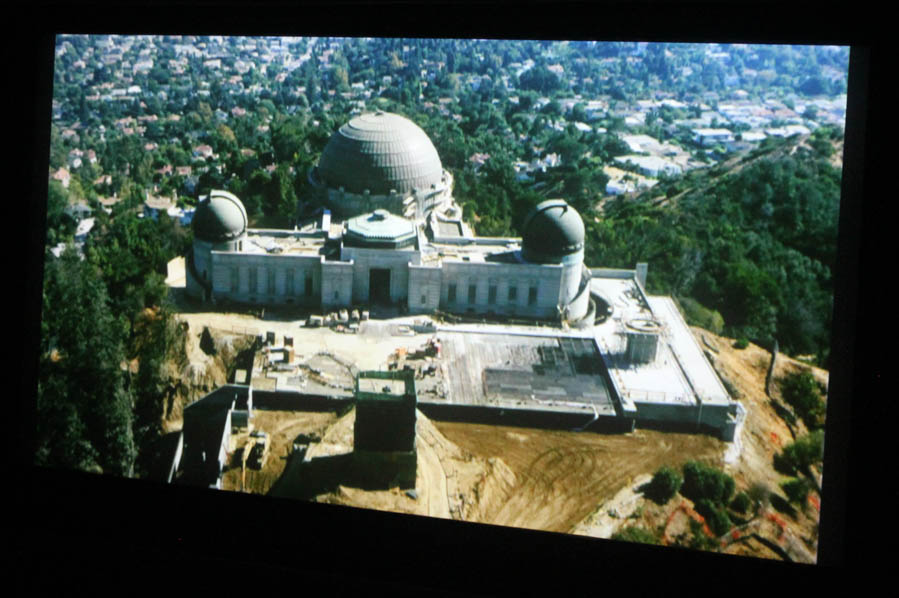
(78, 529)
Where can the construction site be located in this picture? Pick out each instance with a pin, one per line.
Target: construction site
(532, 426)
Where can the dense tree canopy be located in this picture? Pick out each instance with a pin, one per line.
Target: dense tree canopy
(83, 407)
(758, 246)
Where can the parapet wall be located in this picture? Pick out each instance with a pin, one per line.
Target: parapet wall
(524, 417)
(720, 418)
(297, 401)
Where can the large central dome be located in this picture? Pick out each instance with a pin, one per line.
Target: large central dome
(380, 152)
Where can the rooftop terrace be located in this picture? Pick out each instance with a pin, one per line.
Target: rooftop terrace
(679, 372)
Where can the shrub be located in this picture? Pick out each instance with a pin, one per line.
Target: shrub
(741, 343)
(698, 539)
(796, 490)
(664, 485)
(804, 452)
(778, 502)
(715, 516)
(800, 391)
(698, 315)
(635, 534)
(704, 482)
(785, 464)
(741, 502)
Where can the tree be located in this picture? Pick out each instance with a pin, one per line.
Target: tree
(801, 454)
(59, 225)
(704, 482)
(664, 485)
(224, 139)
(83, 408)
(796, 490)
(281, 199)
(289, 139)
(158, 339)
(539, 79)
(814, 86)
(800, 391)
(715, 515)
(741, 502)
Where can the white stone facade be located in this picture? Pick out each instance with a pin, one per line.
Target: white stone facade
(455, 285)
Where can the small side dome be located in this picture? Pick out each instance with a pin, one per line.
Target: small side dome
(220, 217)
(553, 230)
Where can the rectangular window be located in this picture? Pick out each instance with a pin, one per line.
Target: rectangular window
(253, 281)
(532, 295)
(270, 275)
(451, 293)
(289, 282)
(308, 288)
(424, 299)
(235, 279)
(472, 293)
(513, 294)
(491, 294)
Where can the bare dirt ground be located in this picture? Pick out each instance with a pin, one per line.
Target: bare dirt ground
(283, 427)
(764, 435)
(561, 477)
(559, 481)
(538, 479)
(368, 350)
(441, 470)
(589, 483)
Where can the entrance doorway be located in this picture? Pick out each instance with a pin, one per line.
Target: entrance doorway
(379, 286)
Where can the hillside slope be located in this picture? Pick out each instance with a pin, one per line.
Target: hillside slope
(766, 533)
(589, 483)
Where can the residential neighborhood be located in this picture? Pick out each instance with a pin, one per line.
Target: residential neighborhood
(198, 109)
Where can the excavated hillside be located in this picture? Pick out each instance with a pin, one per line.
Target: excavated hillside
(206, 362)
(590, 484)
(767, 533)
(553, 480)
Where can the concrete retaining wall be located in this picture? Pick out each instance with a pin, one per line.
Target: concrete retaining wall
(612, 273)
(297, 401)
(530, 418)
(720, 419)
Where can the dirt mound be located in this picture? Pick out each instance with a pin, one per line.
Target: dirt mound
(450, 482)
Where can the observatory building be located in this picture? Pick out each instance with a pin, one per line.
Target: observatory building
(387, 231)
(390, 233)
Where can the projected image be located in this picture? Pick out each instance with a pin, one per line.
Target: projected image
(579, 287)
